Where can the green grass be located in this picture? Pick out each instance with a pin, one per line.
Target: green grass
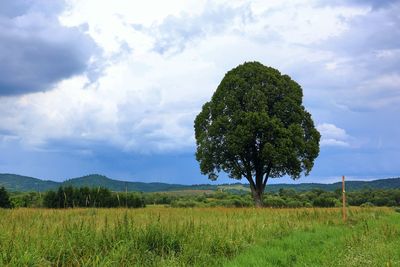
(159, 236)
(372, 239)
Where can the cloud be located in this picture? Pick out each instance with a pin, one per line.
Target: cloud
(176, 32)
(362, 69)
(333, 135)
(145, 99)
(160, 66)
(36, 51)
(375, 4)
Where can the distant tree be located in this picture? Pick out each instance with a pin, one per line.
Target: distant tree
(26, 199)
(70, 197)
(50, 200)
(5, 201)
(135, 200)
(256, 127)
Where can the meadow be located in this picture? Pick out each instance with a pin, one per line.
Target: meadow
(161, 236)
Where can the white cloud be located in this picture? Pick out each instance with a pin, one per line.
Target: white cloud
(333, 135)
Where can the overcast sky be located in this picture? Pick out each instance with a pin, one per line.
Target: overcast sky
(113, 87)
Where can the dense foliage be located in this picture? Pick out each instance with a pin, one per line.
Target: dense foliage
(256, 127)
(69, 197)
(4, 199)
(27, 199)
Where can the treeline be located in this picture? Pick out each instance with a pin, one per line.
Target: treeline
(70, 197)
(320, 198)
(284, 198)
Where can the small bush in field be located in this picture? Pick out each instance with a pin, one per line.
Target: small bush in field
(367, 204)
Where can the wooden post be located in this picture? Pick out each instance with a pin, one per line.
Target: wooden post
(344, 200)
(126, 195)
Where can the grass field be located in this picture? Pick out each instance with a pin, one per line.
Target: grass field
(157, 236)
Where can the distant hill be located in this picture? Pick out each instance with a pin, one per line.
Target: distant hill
(96, 180)
(13, 182)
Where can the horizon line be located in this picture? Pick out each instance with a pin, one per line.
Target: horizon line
(238, 182)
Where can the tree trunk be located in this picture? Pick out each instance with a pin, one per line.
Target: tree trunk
(257, 189)
(257, 197)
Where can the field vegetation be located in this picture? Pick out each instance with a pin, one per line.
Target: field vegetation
(160, 236)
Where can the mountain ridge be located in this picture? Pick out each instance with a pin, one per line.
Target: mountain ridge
(14, 182)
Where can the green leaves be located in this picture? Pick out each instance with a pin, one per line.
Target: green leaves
(256, 126)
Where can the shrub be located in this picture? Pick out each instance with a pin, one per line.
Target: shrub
(183, 204)
(274, 202)
(367, 204)
(324, 202)
(294, 204)
(307, 205)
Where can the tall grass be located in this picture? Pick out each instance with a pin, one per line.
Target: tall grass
(198, 237)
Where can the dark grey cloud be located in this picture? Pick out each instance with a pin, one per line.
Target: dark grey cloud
(36, 51)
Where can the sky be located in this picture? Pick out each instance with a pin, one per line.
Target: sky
(113, 87)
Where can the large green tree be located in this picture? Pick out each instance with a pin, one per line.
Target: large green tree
(256, 127)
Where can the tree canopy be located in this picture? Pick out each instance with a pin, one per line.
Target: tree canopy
(255, 126)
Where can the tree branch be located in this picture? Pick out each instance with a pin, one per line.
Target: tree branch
(239, 168)
(248, 174)
(267, 173)
(252, 184)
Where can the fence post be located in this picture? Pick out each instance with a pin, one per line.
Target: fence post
(344, 214)
(126, 195)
